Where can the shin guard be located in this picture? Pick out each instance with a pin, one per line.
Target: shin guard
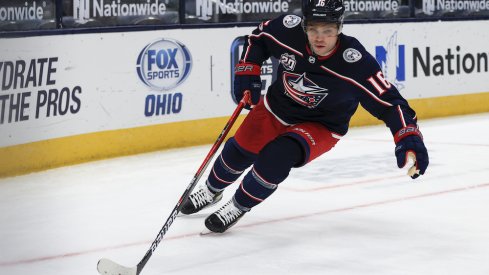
(229, 165)
(271, 168)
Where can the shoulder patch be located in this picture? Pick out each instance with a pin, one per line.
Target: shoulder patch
(291, 20)
(352, 55)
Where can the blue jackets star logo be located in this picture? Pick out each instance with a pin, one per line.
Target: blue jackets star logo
(302, 90)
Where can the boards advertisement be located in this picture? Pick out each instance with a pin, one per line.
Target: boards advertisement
(71, 85)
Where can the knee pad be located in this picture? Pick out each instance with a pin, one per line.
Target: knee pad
(235, 157)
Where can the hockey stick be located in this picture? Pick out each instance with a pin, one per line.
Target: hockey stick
(108, 267)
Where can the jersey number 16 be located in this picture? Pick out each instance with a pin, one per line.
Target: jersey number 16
(379, 82)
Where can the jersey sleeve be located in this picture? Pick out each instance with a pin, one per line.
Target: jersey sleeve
(258, 44)
(381, 98)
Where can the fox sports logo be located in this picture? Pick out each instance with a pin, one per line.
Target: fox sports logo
(164, 64)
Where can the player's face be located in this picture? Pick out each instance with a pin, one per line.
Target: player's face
(322, 37)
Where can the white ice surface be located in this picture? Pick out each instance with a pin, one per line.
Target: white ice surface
(352, 211)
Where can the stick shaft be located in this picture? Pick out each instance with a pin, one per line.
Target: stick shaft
(193, 182)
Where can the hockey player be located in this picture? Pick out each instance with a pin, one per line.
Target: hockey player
(322, 77)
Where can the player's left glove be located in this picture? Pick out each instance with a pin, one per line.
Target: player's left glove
(247, 78)
(410, 141)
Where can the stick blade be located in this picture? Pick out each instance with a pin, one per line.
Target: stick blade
(108, 267)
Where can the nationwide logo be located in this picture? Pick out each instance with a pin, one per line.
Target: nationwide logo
(302, 90)
(28, 11)
(391, 58)
(371, 5)
(430, 6)
(431, 61)
(164, 64)
(86, 9)
(205, 9)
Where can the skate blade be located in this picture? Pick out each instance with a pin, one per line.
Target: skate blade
(207, 232)
(193, 216)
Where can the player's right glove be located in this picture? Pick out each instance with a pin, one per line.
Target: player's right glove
(410, 141)
(247, 78)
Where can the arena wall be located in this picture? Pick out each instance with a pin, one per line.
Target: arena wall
(67, 99)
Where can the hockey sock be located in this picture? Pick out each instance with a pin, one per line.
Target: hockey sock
(229, 166)
(272, 167)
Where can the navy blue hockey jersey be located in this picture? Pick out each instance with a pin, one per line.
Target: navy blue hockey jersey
(324, 89)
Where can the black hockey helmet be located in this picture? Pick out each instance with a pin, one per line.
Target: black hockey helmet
(327, 11)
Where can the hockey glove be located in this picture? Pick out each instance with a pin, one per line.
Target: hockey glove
(247, 78)
(409, 143)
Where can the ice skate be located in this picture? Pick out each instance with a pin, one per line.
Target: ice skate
(199, 200)
(224, 218)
